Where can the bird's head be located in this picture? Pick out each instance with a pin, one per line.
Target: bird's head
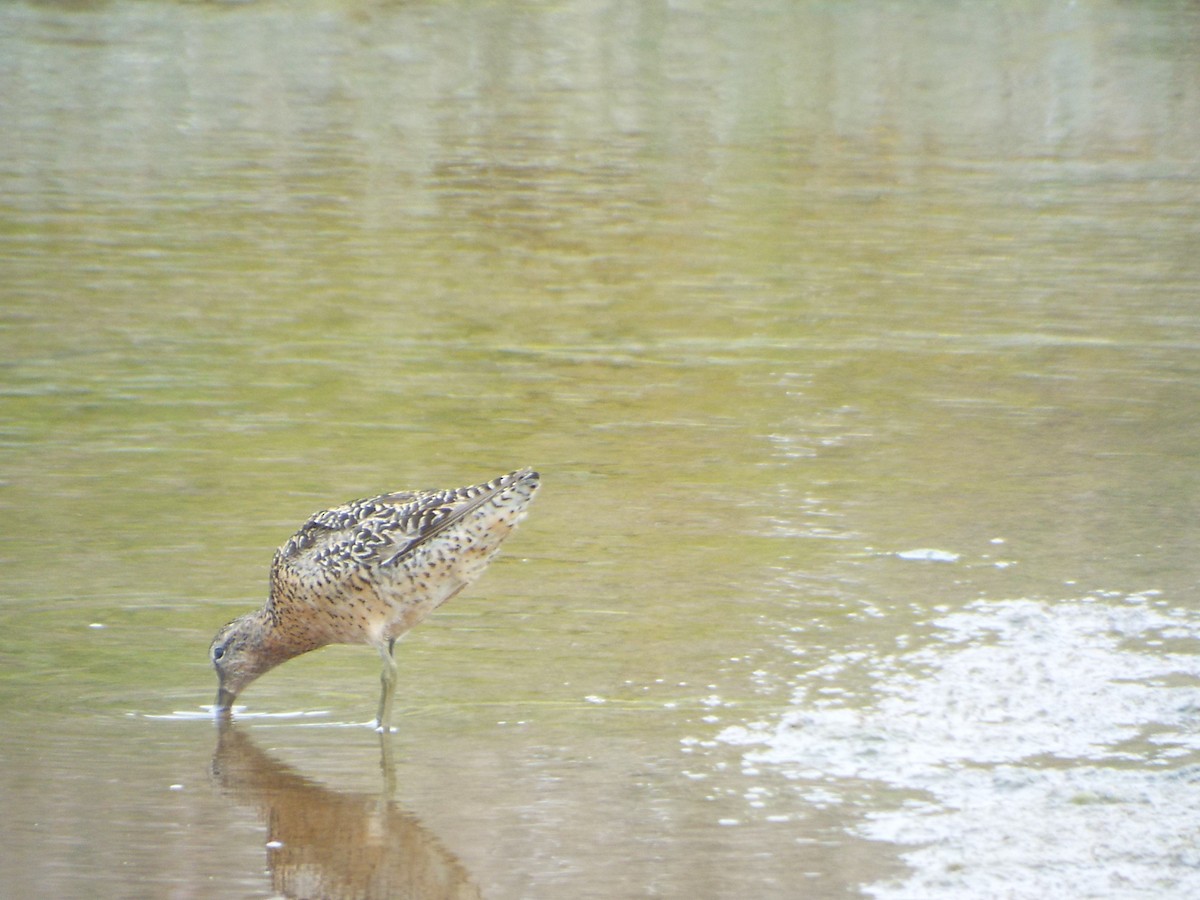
(238, 655)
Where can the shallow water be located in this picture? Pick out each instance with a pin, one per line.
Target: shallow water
(857, 346)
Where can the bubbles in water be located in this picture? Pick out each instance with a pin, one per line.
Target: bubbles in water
(1052, 741)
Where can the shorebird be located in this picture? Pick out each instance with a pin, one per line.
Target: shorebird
(367, 573)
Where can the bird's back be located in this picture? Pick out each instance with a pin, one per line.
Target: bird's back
(369, 570)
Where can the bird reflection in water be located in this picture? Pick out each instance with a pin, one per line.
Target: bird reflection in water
(324, 843)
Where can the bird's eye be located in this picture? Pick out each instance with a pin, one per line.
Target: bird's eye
(218, 652)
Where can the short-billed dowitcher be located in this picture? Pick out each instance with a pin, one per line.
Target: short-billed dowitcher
(368, 572)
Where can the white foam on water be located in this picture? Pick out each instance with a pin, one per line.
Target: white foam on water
(1056, 747)
(208, 713)
(929, 554)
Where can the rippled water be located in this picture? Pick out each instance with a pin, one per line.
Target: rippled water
(857, 346)
(1039, 746)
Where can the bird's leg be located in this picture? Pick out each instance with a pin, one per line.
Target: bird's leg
(388, 680)
(387, 765)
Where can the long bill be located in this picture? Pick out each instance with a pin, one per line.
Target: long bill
(225, 700)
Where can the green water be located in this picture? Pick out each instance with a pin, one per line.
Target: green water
(768, 294)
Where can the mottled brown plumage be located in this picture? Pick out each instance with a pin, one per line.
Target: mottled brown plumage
(366, 573)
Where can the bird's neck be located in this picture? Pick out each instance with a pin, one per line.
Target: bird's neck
(282, 638)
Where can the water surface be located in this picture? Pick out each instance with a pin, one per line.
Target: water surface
(857, 346)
